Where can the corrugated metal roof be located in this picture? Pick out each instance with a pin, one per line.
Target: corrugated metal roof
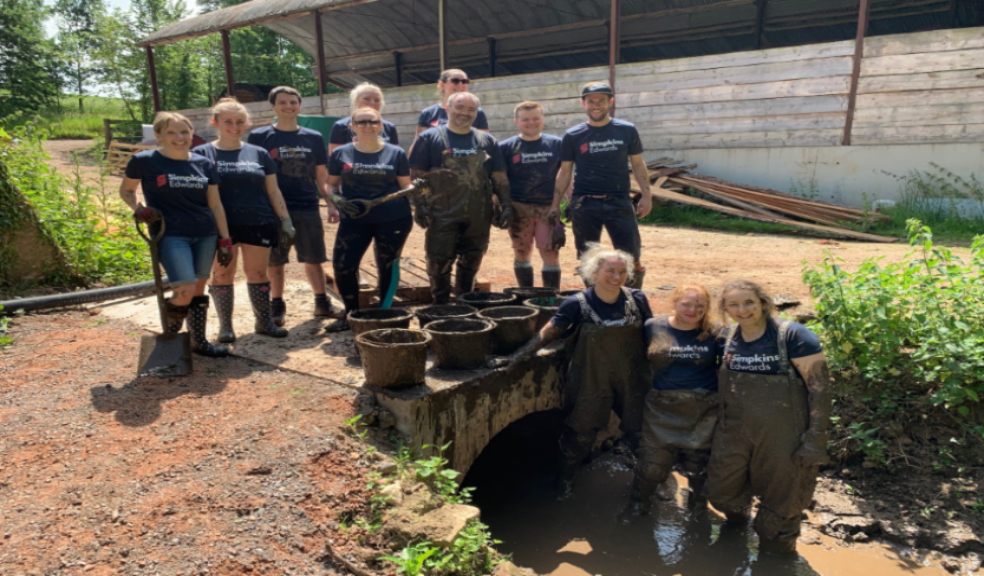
(361, 36)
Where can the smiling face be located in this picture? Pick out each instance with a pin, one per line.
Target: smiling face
(744, 307)
(370, 99)
(175, 137)
(367, 124)
(286, 106)
(231, 124)
(530, 122)
(462, 112)
(596, 106)
(689, 310)
(612, 274)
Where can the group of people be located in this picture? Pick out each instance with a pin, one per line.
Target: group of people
(743, 409)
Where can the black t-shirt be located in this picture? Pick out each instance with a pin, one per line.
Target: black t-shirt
(297, 155)
(242, 183)
(531, 167)
(601, 156)
(569, 316)
(371, 175)
(694, 362)
(342, 132)
(762, 356)
(428, 150)
(178, 189)
(435, 115)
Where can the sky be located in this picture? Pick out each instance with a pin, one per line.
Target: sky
(50, 28)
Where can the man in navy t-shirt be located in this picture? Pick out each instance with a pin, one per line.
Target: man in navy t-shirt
(532, 159)
(464, 170)
(601, 150)
(302, 175)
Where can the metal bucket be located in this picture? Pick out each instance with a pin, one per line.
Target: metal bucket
(393, 357)
(514, 326)
(460, 343)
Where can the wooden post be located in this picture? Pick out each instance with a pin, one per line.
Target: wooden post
(852, 96)
(319, 38)
(760, 23)
(155, 93)
(107, 132)
(398, 64)
(613, 42)
(227, 60)
(442, 35)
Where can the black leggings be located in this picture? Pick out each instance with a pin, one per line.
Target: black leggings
(352, 241)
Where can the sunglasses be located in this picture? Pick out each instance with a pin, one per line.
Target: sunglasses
(459, 80)
(367, 122)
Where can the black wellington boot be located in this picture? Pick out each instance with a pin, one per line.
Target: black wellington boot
(551, 278)
(223, 297)
(259, 297)
(524, 275)
(174, 317)
(197, 319)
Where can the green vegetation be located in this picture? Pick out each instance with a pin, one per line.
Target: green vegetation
(908, 341)
(674, 214)
(5, 338)
(91, 227)
(66, 121)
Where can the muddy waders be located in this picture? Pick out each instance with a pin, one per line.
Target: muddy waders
(608, 370)
(460, 213)
(761, 419)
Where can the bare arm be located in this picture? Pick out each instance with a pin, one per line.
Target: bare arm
(128, 192)
(276, 197)
(331, 147)
(562, 184)
(641, 175)
(215, 205)
(404, 182)
(321, 174)
(547, 334)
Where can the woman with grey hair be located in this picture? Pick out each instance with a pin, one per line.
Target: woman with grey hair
(608, 367)
(365, 95)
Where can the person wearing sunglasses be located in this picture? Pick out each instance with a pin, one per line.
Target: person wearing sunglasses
(368, 168)
(450, 82)
(365, 95)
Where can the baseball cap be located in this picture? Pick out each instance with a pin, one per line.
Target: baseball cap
(596, 88)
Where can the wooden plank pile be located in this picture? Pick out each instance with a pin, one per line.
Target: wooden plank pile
(671, 180)
(119, 153)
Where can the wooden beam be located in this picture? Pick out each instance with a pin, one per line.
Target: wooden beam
(227, 61)
(760, 6)
(155, 93)
(319, 39)
(442, 35)
(492, 56)
(852, 97)
(613, 43)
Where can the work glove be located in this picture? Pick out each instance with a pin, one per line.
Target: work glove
(287, 231)
(223, 252)
(558, 233)
(421, 217)
(502, 215)
(812, 451)
(145, 214)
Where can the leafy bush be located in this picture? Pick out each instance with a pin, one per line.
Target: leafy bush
(907, 336)
(5, 338)
(92, 227)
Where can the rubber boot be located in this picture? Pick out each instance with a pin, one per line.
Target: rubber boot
(174, 317)
(278, 311)
(223, 297)
(259, 297)
(197, 319)
(322, 307)
(637, 278)
(464, 281)
(439, 274)
(551, 278)
(524, 274)
(637, 506)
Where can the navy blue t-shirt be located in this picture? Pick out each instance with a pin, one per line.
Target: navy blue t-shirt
(428, 151)
(762, 355)
(531, 167)
(371, 175)
(569, 315)
(178, 189)
(435, 115)
(601, 156)
(297, 155)
(694, 362)
(242, 183)
(342, 132)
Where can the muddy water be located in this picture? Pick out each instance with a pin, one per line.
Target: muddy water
(583, 536)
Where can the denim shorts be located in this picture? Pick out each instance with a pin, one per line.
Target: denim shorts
(187, 258)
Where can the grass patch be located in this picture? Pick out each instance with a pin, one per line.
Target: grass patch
(66, 121)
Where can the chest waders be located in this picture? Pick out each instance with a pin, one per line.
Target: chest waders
(460, 207)
(761, 419)
(608, 370)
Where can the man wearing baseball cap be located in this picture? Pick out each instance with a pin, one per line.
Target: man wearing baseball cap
(602, 148)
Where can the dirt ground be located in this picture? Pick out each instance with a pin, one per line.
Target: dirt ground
(247, 468)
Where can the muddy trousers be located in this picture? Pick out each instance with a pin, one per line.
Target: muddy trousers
(445, 242)
(759, 427)
(677, 428)
(351, 243)
(616, 215)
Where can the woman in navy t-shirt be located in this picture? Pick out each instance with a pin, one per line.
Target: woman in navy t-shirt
(364, 169)
(775, 412)
(451, 80)
(181, 187)
(365, 95)
(258, 217)
(681, 408)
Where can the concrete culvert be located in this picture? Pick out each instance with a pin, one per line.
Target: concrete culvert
(393, 357)
(373, 318)
(460, 344)
(514, 326)
(427, 314)
(546, 306)
(482, 300)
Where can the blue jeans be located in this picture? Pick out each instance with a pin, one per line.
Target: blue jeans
(615, 213)
(187, 258)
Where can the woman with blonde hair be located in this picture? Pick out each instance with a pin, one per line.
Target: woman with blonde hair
(181, 188)
(364, 95)
(451, 81)
(258, 217)
(680, 411)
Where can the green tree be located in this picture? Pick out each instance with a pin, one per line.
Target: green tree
(28, 62)
(77, 40)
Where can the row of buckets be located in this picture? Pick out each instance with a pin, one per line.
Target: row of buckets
(460, 336)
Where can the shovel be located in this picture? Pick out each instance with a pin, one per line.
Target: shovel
(163, 355)
(359, 207)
